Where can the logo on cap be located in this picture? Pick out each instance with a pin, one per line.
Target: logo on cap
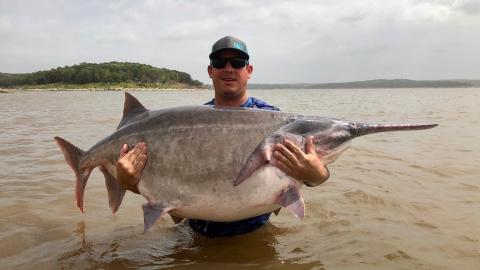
(238, 46)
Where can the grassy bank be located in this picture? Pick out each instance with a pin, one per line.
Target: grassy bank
(102, 87)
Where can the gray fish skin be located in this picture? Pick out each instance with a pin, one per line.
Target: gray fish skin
(212, 163)
(194, 155)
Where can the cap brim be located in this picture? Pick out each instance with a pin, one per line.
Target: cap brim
(213, 54)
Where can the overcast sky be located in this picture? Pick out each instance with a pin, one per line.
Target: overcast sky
(289, 41)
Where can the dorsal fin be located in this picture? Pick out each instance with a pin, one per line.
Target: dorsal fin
(131, 109)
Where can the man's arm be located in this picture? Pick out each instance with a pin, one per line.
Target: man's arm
(130, 165)
(306, 167)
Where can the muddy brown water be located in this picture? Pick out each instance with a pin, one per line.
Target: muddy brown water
(405, 200)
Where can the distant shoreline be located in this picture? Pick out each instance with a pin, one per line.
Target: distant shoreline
(2, 90)
(371, 84)
(101, 87)
(120, 76)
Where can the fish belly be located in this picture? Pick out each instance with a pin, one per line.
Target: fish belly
(222, 201)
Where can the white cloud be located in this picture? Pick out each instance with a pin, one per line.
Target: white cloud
(289, 41)
(469, 7)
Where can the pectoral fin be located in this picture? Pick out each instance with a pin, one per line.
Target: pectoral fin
(260, 156)
(293, 201)
(257, 159)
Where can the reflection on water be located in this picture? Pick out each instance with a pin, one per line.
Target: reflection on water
(394, 201)
(177, 246)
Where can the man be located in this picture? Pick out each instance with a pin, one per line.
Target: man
(230, 71)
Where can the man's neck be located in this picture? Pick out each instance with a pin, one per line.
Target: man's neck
(234, 102)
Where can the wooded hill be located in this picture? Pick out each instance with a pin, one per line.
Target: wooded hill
(105, 73)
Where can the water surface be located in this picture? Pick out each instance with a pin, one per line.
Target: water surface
(406, 200)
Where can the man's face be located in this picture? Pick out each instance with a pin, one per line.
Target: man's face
(228, 82)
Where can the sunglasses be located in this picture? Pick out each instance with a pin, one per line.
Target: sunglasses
(236, 63)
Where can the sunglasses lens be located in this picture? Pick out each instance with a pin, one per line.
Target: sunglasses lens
(235, 62)
(238, 63)
(218, 63)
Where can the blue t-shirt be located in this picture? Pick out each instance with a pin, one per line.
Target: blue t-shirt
(216, 229)
(252, 103)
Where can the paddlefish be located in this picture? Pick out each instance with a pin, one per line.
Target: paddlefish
(212, 163)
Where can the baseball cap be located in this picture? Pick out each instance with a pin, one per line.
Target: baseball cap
(229, 42)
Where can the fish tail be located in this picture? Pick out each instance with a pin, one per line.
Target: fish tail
(73, 155)
(364, 129)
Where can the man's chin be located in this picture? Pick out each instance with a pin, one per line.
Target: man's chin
(230, 88)
(229, 84)
(231, 93)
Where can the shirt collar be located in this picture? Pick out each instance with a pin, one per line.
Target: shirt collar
(248, 104)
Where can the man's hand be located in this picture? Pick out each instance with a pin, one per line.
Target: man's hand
(306, 167)
(130, 165)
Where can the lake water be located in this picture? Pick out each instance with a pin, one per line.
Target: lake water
(405, 200)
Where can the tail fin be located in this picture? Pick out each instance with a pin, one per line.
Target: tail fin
(72, 156)
(364, 129)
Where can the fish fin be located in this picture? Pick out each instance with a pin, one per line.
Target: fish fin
(297, 208)
(152, 212)
(176, 219)
(131, 108)
(260, 156)
(73, 155)
(257, 159)
(277, 211)
(115, 190)
(293, 201)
